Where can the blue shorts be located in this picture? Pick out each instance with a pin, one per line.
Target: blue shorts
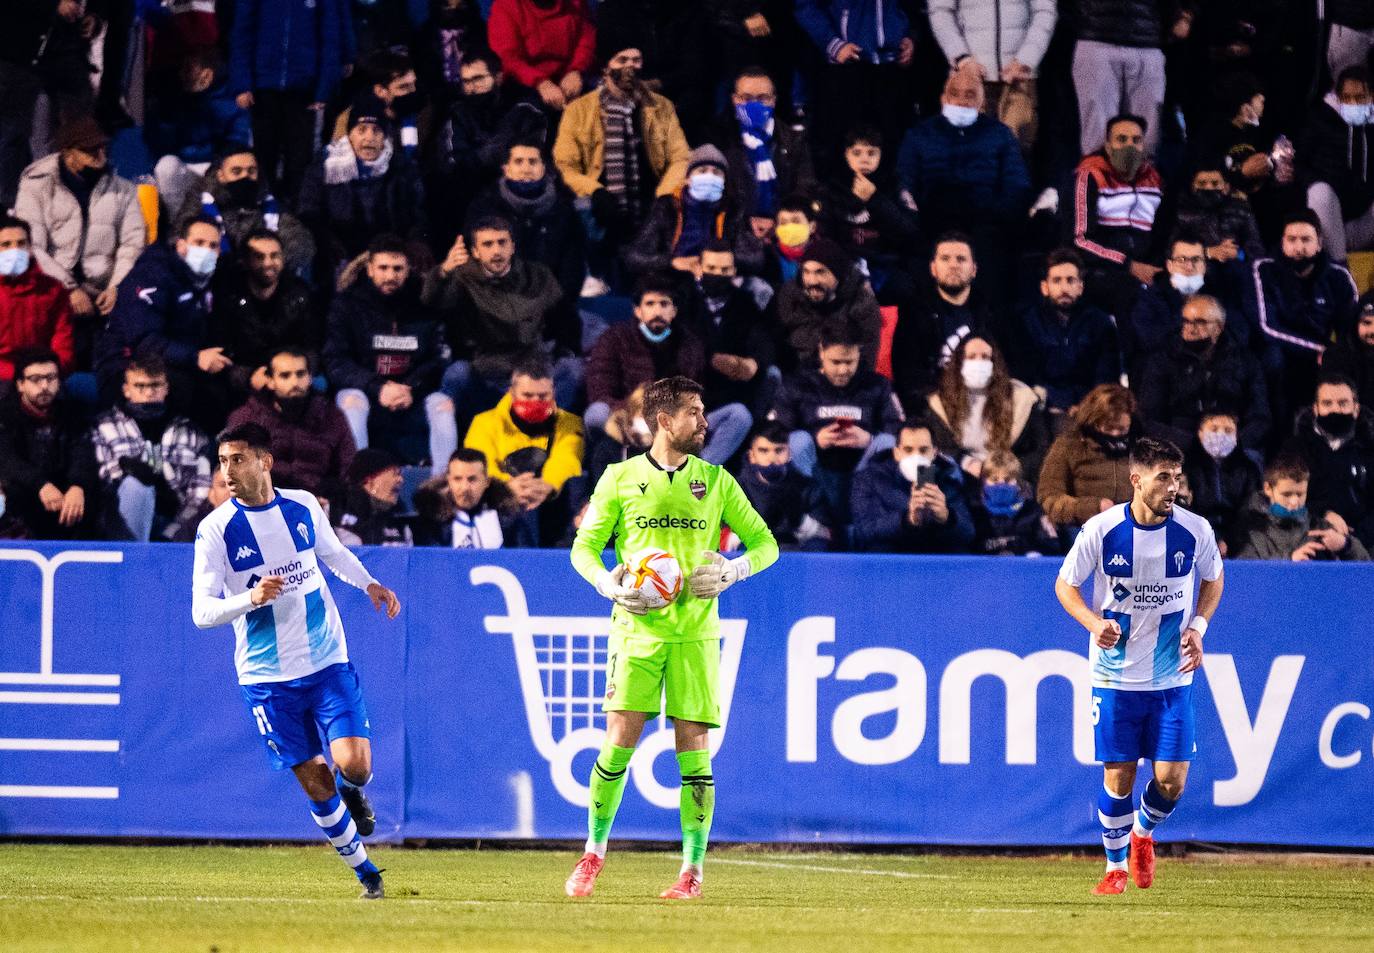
(1128, 726)
(292, 716)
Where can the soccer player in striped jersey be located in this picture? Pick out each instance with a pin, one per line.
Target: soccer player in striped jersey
(257, 566)
(1143, 558)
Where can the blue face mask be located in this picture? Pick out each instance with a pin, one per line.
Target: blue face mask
(655, 337)
(959, 116)
(14, 262)
(753, 114)
(706, 187)
(1002, 499)
(201, 261)
(525, 190)
(1281, 512)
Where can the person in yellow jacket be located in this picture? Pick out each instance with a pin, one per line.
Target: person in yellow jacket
(532, 446)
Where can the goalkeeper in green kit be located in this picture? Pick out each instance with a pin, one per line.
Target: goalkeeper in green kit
(667, 499)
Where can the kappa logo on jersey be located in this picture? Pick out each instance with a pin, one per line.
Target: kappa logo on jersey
(1121, 592)
(245, 552)
(1118, 560)
(698, 488)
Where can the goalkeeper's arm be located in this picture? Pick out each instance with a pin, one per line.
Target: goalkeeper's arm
(717, 573)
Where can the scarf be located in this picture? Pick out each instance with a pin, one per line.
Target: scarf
(697, 228)
(537, 206)
(267, 205)
(620, 163)
(757, 134)
(342, 165)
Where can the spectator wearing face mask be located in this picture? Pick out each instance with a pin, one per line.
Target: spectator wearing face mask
(545, 226)
(533, 447)
(394, 84)
(1335, 439)
(979, 409)
(767, 159)
(1007, 521)
(680, 225)
(1157, 316)
(1087, 470)
(1298, 302)
(1212, 211)
(911, 500)
(789, 501)
(164, 309)
(1353, 354)
(1221, 475)
(235, 194)
(34, 310)
(1071, 346)
(312, 445)
(797, 224)
(1334, 157)
(1202, 371)
(1280, 524)
(1116, 225)
(729, 313)
(152, 463)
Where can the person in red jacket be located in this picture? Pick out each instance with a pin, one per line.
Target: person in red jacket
(34, 308)
(544, 44)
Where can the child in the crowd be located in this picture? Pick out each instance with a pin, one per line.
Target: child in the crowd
(1006, 518)
(1280, 527)
(788, 501)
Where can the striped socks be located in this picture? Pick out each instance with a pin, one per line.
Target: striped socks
(338, 826)
(607, 788)
(1154, 808)
(1115, 813)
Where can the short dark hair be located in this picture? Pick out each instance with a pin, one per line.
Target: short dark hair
(1148, 453)
(1125, 117)
(183, 229)
(534, 366)
(1302, 216)
(27, 357)
(863, 132)
(234, 148)
(288, 350)
(839, 334)
(1353, 74)
(490, 223)
(1063, 256)
(149, 363)
(255, 435)
(14, 221)
(953, 235)
(654, 283)
(1336, 379)
(387, 64)
(1185, 236)
(800, 203)
(387, 243)
(482, 54)
(260, 235)
(770, 430)
(752, 71)
(665, 396)
(523, 143)
(1287, 466)
(467, 455)
(719, 246)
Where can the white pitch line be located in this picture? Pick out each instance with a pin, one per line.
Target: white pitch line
(60, 698)
(58, 744)
(778, 865)
(54, 791)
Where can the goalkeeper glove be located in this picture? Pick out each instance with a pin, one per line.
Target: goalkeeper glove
(611, 584)
(717, 574)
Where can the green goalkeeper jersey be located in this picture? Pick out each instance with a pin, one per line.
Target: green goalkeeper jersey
(680, 512)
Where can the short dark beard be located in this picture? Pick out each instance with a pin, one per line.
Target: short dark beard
(691, 445)
(951, 290)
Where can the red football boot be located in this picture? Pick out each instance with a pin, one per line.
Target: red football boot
(1112, 882)
(1142, 860)
(582, 881)
(688, 887)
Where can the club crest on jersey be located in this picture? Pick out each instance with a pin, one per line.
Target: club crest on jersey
(1179, 557)
(305, 533)
(610, 691)
(698, 488)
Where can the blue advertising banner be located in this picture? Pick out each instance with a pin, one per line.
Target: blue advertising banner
(867, 699)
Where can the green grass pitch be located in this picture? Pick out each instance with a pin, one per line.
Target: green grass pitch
(65, 898)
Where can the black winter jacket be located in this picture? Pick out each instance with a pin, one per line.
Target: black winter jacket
(547, 230)
(347, 216)
(928, 332)
(1343, 479)
(808, 401)
(879, 499)
(1179, 386)
(1139, 23)
(375, 338)
(1067, 360)
(1338, 154)
(1221, 490)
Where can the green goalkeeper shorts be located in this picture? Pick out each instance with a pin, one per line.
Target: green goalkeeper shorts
(684, 675)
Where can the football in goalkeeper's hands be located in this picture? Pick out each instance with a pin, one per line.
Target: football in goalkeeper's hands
(656, 574)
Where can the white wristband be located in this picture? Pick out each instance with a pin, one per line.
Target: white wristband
(1199, 624)
(743, 568)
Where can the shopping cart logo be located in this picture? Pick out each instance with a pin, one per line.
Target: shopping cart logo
(561, 664)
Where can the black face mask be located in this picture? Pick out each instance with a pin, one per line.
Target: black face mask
(1297, 264)
(241, 193)
(770, 473)
(293, 408)
(148, 411)
(1336, 425)
(1200, 346)
(1112, 446)
(90, 176)
(407, 104)
(717, 286)
(1208, 198)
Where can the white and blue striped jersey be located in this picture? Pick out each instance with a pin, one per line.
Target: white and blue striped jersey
(1143, 577)
(300, 632)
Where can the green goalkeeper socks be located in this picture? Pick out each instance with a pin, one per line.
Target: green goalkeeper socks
(608, 785)
(697, 804)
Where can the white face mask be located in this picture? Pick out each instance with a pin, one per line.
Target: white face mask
(1354, 114)
(1187, 284)
(201, 261)
(1218, 443)
(960, 117)
(14, 262)
(911, 465)
(977, 373)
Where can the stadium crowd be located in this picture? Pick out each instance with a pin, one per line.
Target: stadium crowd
(935, 262)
